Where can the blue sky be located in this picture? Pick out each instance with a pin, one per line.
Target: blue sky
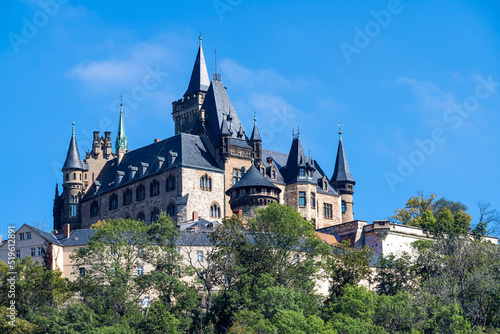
(415, 83)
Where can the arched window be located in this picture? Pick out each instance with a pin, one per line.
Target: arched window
(113, 202)
(141, 216)
(171, 209)
(263, 171)
(206, 183)
(140, 193)
(343, 207)
(94, 209)
(154, 215)
(67, 177)
(127, 197)
(215, 211)
(154, 188)
(74, 176)
(170, 182)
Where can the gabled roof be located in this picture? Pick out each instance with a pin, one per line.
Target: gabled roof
(217, 105)
(341, 172)
(73, 160)
(199, 77)
(253, 178)
(45, 235)
(200, 225)
(191, 152)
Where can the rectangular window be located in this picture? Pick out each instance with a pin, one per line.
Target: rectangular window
(302, 172)
(327, 210)
(140, 271)
(146, 302)
(21, 236)
(343, 207)
(302, 198)
(18, 253)
(28, 235)
(82, 272)
(236, 175)
(40, 251)
(73, 210)
(199, 256)
(313, 200)
(32, 252)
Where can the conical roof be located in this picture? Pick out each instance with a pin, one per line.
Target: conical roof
(253, 178)
(199, 77)
(341, 172)
(73, 157)
(121, 138)
(255, 132)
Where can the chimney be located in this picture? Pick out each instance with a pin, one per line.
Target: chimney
(107, 144)
(238, 213)
(96, 144)
(195, 215)
(171, 158)
(66, 230)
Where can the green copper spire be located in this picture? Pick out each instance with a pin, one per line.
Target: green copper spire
(121, 139)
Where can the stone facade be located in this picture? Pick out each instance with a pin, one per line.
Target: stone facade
(210, 143)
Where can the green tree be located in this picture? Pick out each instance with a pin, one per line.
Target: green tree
(11, 324)
(395, 274)
(38, 289)
(159, 320)
(111, 258)
(347, 265)
(437, 217)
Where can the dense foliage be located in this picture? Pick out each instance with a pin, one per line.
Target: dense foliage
(261, 278)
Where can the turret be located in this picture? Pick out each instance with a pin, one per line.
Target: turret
(121, 138)
(186, 111)
(73, 175)
(343, 181)
(253, 190)
(256, 142)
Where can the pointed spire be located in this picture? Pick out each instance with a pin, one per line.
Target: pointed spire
(121, 138)
(72, 157)
(255, 132)
(199, 77)
(341, 172)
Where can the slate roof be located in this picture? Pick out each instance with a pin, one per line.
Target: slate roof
(252, 178)
(199, 77)
(77, 237)
(216, 104)
(73, 160)
(341, 172)
(190, 149)
(46, 235)
(280, 159)
(200, 225)
(255, 133)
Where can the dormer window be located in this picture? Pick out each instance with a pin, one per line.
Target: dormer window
(273, 174)
(302, 172)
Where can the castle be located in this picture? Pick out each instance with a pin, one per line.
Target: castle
(210, 168)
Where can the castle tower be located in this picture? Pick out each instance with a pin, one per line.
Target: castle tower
(344, 182)
(73, 175)
(252, 191)
(121, 138)
(186, 110)
(256, 142)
